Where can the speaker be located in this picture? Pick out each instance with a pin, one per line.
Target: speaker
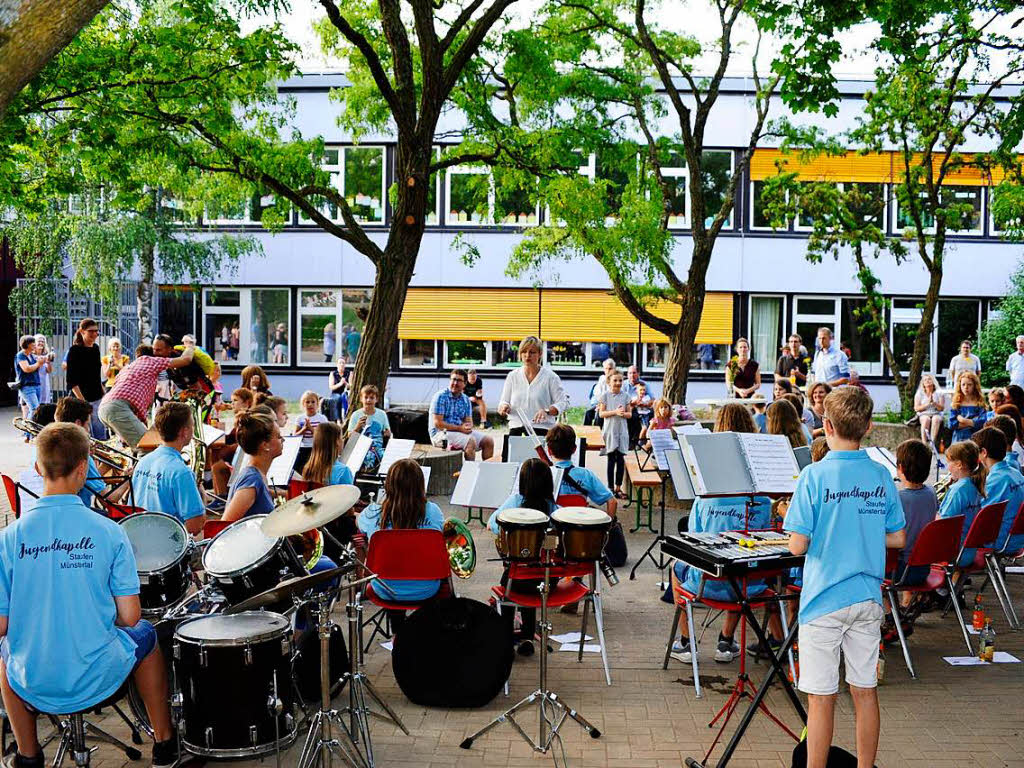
(452, 653)
(407, 424)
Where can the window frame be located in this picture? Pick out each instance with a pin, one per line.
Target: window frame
(401, 355)
(244, 313)
(343, 158)
(336, 174)
(468, 170)
(448, 365)
(765, 228)
(564, 366)
(982, 214)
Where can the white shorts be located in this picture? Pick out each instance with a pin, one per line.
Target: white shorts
(856, 631)
(457, 440)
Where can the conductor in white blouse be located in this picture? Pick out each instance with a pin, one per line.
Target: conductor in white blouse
(533, 391)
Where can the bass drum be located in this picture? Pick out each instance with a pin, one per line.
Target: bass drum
(233, 674)
(162, 556)
(243, 561)
(427, 670)
(307, 663)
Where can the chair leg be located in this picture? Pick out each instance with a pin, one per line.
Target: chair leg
(672, 635)
(583, 628)
(785, 633)
(959, 613)
(999, 585)
(497, 607)
(599, 621)
(693, 648)
(894, 605)
(1006, 591)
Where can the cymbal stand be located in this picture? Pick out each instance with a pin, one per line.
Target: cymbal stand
(356, 749)
(553, 711)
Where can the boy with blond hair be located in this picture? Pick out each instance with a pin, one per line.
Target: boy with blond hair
(844, 514)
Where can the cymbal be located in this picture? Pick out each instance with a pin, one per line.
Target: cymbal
(283, 591)
(310, 510)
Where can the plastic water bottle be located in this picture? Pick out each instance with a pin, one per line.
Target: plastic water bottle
(987, 648)
(978, 617)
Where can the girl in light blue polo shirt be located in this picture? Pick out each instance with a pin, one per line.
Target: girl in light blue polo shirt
(967, 493)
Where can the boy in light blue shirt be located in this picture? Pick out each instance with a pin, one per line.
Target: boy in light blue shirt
(373, 423)
(69, 608)
(1002, 484)
(162, 481)
(845, 512)
(579, 481)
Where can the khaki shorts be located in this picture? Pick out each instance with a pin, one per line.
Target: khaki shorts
(457, 440)
(854, 630)
(119, 417)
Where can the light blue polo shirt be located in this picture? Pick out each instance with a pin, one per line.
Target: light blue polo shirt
(341, 474)
(1004, 484)
(962, 498)
(60, 569)
(596, 491)
(162, 482)
(845, 504)
(402, 591)
(94, 485)
(512, 502)
(716, 515)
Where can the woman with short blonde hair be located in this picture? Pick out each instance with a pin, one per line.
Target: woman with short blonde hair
(533, 390)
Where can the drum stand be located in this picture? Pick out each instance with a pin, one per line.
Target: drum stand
(356, 749)
(553, 711)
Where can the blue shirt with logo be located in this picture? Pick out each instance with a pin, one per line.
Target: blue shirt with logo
(1005, 484)
(405, 590)
(962, 498)
(717, 515)
(454, 409)
(60, 569)
(595, 491)
(845, 504)
(163, 483)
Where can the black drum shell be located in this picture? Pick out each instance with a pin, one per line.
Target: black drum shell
(261, 576)
(225, 693)
(161, 589)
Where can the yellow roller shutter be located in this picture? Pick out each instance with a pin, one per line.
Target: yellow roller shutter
(849, 167)
(582, 315)
(715, 322)
(472, 314)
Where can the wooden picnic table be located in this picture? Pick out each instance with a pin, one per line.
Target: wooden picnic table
(150, 441)
(593, 436)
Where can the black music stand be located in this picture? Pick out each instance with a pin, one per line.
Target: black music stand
(660, 562)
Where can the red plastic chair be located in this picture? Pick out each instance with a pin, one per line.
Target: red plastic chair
(937, 546)
(405, 555)
(11, 487)
(572, 500)
(212, 527)
(982, 534)
(117, 511)
(298, 487)
(997, 562)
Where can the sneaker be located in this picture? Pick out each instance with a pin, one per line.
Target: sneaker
(727, 650)
(759, 651)
(525, 648)
(166, 754)
(681, 651)
(17, 760)
(485, 425)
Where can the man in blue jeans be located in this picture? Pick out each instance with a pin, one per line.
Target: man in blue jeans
(69, 608)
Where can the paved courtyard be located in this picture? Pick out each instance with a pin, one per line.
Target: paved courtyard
(650, 718)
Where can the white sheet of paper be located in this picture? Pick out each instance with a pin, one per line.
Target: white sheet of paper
(210, 434)
(971, 630)
(883, 456)
(964, 661)
(426, 476)
(662, 440)
(523, 447)
(280, 471)
(484, 484)
(1002, 657)
(1015, 569)
(388, 646)
(772, 465)
(395, 449)
(692, 429)
(575, 647)
(569, 637)
(354, 452)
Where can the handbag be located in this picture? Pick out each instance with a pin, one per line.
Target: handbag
(615, 549)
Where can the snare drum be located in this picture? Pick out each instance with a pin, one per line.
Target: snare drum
(582, 532)
(243, 561)
(232, 673)
(521, 534)
(163, 551)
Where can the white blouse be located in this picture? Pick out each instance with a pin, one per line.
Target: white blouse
(543, 392)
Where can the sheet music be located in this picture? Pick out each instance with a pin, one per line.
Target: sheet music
(354, 452)
(484, 484)
(772, 465)
(662, 440)
(426, 474)
(680, 477)
(280, 472)
(803, 456)
(691, 429)
(716, 464)
(395, 450)
(883, 456)
(209, 434)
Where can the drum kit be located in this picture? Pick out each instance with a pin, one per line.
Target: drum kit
(235, 638)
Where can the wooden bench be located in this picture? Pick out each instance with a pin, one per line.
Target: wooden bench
(642, 484)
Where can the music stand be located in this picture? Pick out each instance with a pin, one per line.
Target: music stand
(676, 469)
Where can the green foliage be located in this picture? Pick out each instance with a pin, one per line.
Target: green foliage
(996, 340)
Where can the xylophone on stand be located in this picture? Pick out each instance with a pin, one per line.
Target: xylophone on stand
(736, 556)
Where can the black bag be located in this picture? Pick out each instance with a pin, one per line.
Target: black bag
(615, 551)
(837, 757)
(453, 652)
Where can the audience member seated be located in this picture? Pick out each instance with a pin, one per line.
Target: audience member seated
(372, 422)
(451, 420)
(64, 591)
(162, 480)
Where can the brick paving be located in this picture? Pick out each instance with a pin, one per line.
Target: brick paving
(650, 718)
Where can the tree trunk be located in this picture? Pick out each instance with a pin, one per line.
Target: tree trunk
(32, 32)
(680, 347)
(880, 324)
(922, 341)
(144, 294)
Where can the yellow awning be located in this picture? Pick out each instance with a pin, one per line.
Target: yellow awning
(471, 314)
(585, 315)
(715, 321)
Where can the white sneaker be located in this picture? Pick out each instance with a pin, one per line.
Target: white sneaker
(727, 650)
(681, 652)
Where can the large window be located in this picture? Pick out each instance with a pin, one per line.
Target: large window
(255, 323)
(758, 216)
(706, 357)
(363, 183)
(906, 318)
(465, 353)
(676, 176)
(715, 176)
(417, 353)
(766, 330)
(812, 314)
(331, 324)
(516, 206)
(331, 163)
(624, 355)
(614, 165)
(964, 219)
(505, 354)
(843, 316)
(470, 197)
(567, 354)
(957, 322)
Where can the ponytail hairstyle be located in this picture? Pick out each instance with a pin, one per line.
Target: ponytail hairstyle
(536, 485)
(325, 452)
(86, 323)
(966, 452)
(405, 497)
(253, 430)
